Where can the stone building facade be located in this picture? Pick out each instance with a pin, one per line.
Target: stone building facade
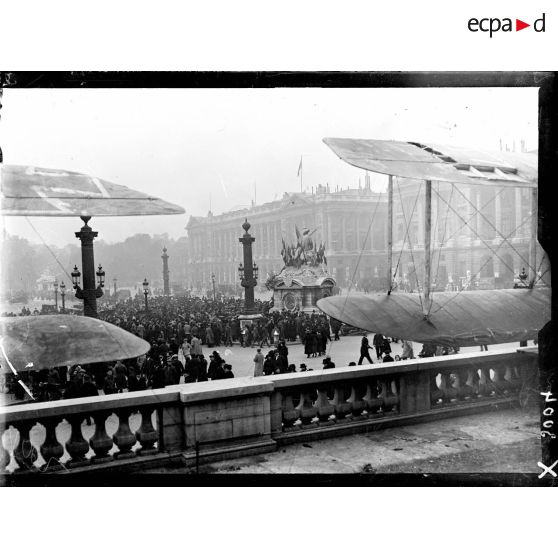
(353, 225)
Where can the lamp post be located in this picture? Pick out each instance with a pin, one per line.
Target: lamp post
(63, 295)
(56, 294)
(89, 293)
(145, 292)
(213, 281)
(248, 271)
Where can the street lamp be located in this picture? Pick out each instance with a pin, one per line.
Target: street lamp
(75, 277)
(114, 281)
(145, 292)
(213, 281)
(63, 295)
(241, 272)
(100, 276)
(255, 271)
(56, 294)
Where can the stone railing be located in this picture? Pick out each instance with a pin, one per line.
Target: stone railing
(228, 418)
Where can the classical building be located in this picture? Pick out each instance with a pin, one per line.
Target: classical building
(490, 246)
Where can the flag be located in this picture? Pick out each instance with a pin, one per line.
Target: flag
(299, 167)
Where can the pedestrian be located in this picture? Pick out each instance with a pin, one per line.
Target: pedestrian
(378, 342)
(196, 346)
(120, 377)
(227, 371)
(364, 351)
(269, 363)
(388, 357)
(258, 363)
(327, 363)
(407, 351)
(109, 387)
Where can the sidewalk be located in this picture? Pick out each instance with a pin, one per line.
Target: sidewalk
(498, 442)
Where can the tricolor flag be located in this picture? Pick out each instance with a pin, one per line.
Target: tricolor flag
(299, 167)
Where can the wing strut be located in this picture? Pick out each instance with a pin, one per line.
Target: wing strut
(390, 235)
(427, 238)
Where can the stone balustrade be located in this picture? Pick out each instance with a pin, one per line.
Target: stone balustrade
(228, 418)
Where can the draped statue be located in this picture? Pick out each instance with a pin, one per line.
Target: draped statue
(304, 252)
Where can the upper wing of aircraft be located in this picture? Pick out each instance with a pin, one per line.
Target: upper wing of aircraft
(35, 191)
(468, 319)
(440, 163)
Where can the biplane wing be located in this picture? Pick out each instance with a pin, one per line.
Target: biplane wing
(35, 342)
(462, 319)
(35, 191)
(439, 163)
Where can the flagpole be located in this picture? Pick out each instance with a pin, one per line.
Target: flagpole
(301, 174)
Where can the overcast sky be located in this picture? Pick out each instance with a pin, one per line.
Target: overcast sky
(196, 147)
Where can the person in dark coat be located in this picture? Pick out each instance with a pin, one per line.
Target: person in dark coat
(282, 349)
(88, 389)
(109, 387)
(386, 347)
(308, 343)
(133, 380)
(158, 379)
(327, 363)
(190, 371)
(227, 371)
(202, 369)
(388, 357)
(378, 342)
(281, 363)
(178, 366)
(120, 376)
(269, 364)
(364, 351)
(215, 370)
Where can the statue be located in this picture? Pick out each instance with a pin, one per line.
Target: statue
(304, 252)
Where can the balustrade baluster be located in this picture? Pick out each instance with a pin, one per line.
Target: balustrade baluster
(446, 385)
(290, 413)
(513, 377)
(146, 434)
(123, 437)
(25, 453)
(324, 409)
(356, 399)
(463, 389)
(501, 386)
(389, 396)
(77, 445)
(306, 409)
(486, 386)
(436, 394)
(341, 407)
(101, 442)
(4, 454)
(51, 449)
(372, 398)
(473, 382)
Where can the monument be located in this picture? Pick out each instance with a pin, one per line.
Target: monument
(248, 273)
(304, 278)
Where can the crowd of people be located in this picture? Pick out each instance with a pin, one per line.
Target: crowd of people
(178, 328)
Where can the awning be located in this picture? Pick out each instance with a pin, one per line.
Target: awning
(462, 319)
(439, 163)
